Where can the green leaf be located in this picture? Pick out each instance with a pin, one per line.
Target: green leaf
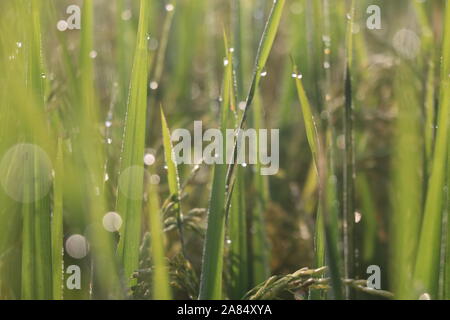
(129, 199)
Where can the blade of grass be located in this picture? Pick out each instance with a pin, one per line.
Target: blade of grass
(265, 46)
(173, 178)
(326, 224)
(348, 165)
(260, 251)
(133, 151)
(212, 262)
(161, 287)
(239, 273)
(426, 273)
(57, 226)
(407, 183)
(237, 219)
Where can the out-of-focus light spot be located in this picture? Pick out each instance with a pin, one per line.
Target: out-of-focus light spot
(149, 159)
(406, 43)
(77, 246)
(155, 179)
(425, 296)
(93, 54)
(358, 217)
(154, 85)
(126, 15)
(62, 25)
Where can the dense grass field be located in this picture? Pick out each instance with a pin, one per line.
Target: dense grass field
(95, 96)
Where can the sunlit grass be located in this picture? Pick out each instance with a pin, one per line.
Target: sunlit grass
(364, 156)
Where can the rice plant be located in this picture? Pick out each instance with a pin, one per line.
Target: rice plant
(214, 150)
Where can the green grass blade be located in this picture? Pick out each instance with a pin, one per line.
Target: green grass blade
(426, 273)
(212, 262)
(172, 175)
(326, 235)
(348, 165)
(308, 118)
(260, 250)
(265, 46)
(239, 273)
(133, 151)
(407, 183)
(57, 226)
(161, 286)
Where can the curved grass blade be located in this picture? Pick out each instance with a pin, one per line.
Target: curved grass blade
(265, 46)
(173, 178)
(326, 225)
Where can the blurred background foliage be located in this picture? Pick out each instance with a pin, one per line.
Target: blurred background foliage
(67, 93)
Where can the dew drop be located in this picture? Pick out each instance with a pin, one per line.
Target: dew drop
(169, 7)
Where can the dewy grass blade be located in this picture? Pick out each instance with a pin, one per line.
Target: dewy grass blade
(129, 201)
(265, 46)
(161, 286)
(212, 262)
(173, 178)
(326, 222)
(313, 141)
(426, 273)
(237, 219)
